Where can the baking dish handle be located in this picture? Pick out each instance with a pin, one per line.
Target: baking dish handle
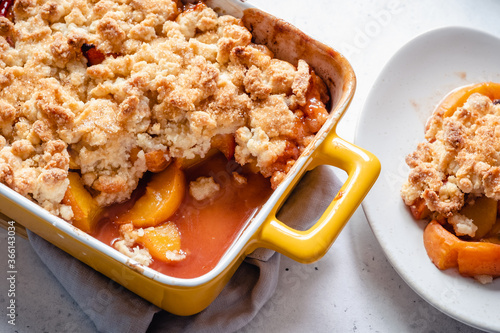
(310, 245)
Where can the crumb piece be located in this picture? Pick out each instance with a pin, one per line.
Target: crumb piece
(128, 238)
(66, 212)
(142, 256)
(175, 255)
(239, 179)
(203, 188)
(462, 225)
(301, 82)
(484, 279)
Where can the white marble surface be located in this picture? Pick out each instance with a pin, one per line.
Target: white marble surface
(353, 288)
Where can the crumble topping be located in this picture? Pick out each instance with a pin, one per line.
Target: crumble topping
(462, 225)
(239, 179)
(128, 246)
(460, 156)
(203, 188)
(116, 88)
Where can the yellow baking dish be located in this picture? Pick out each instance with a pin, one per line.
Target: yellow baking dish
(189, 296)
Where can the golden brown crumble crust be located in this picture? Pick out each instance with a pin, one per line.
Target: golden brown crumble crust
(168, 82)
(460, 157)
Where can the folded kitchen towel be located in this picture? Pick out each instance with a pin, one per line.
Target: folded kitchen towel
(113, 308)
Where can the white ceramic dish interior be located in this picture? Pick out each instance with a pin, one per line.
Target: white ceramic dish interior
(412, 83)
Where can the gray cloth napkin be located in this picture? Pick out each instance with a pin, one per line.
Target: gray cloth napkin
(113, 308)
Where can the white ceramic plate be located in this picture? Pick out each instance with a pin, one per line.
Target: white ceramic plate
(392, 123)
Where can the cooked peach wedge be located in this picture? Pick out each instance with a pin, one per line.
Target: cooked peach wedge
(86, 211)
(419, 209)
(472, 258)
(164, 194)
(156, 161)
(163, 242)
(225, 143)
(458, 97)
(483, 213)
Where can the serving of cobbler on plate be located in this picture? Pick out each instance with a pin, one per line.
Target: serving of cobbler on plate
(130, 119)
(454, 181)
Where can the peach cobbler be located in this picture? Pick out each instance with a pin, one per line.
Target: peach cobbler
(98, 96)
(454, 181)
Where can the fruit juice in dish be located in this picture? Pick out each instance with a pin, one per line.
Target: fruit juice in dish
(207, 227)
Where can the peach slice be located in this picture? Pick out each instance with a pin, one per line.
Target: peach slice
(164, 194)
(458, 97)
(479, 258)
(156, 161)
(483, 213)
(86, 211)
(494, 240)
(441, 245)
(495, 229)
(472, 258)
(163, 242)
(73, 165)
(419, 209)
(225, 143)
